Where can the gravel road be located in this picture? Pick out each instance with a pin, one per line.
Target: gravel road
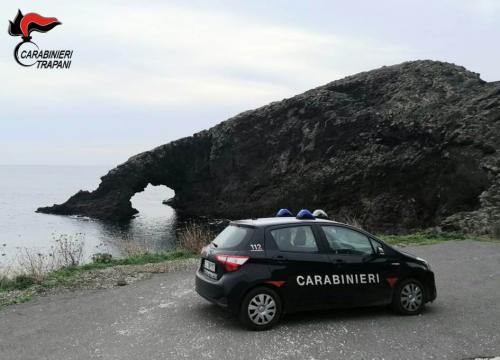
(163, 318)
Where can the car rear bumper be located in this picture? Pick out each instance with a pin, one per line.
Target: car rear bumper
(211, 290)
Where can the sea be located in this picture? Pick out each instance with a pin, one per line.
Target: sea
(25, 188)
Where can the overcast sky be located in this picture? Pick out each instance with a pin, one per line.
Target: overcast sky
(148, 72)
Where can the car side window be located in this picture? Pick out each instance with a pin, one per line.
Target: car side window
(346, 241)
(296, 238)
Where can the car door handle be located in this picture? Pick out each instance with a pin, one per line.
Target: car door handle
(280, 258)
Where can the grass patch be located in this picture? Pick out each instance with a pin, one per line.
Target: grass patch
(141, 259)
(429, 238)
(22, 299)
(19, 282)
(65, 275)
(16, 300)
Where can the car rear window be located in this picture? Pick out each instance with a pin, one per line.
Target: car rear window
(232, 236)
(296, 239)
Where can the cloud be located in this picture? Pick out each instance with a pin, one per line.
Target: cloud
(487, 9)
(147, 73)
(160, 55)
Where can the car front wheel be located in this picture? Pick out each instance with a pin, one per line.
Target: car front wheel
(260, 309)
(408, 297)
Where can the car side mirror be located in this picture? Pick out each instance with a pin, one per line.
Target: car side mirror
(380, 250)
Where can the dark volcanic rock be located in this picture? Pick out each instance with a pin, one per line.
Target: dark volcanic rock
(403, 147)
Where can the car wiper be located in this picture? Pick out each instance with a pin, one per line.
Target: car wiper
(214, 244)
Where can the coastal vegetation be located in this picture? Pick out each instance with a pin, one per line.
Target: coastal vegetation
(63, 267)
(194, 236)
(103, 271)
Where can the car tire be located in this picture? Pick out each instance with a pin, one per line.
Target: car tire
(260, 309)
(408, 297)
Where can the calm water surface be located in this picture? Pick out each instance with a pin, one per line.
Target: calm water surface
(25, 188)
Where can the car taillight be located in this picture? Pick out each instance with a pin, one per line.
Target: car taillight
(231, 262)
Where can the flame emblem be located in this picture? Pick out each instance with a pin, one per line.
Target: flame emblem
(24, 25)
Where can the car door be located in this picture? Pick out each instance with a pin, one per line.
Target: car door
(297, 257)
(364, 274)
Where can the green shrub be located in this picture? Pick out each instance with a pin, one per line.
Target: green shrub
(496, 230)
(19, 282)
(23, 281)
(102, 258)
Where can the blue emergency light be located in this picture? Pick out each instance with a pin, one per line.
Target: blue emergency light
(305, 214)
(284, 213)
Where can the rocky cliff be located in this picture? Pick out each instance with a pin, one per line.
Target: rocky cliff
(398, 148)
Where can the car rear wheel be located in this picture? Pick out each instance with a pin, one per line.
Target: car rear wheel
(409, 297)
(260, 309)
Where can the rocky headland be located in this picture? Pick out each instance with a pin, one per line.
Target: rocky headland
(403, 147)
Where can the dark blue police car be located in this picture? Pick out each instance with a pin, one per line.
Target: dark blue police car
(263, 268)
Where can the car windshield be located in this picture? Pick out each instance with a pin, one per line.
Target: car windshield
(231, 237)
